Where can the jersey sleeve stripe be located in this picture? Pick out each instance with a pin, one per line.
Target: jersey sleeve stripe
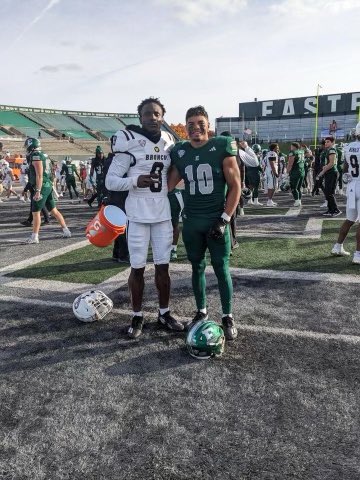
(131, 134)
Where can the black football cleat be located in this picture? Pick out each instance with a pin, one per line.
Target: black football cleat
(229, 327)
(135, 329)
(170, 322)
(200, 316)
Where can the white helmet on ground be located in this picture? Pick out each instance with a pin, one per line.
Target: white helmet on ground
(91, 306)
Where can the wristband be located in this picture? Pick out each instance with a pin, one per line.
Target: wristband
(37, 189)
(225, 217)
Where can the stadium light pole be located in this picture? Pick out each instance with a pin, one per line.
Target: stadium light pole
(317, 114)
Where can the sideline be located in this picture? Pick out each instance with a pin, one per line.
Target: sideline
(256, 329)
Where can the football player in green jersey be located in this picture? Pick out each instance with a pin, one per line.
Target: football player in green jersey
(296, 170)
(330, 173)
(41, 182)
(212, 192)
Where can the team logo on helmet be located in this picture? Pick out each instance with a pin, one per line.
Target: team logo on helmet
(205, 339)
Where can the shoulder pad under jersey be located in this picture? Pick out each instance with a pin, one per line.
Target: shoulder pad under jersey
(120, 142)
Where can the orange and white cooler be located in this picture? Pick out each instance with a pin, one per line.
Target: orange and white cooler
(109, 222)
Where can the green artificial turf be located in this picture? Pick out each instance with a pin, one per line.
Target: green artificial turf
(94, 265)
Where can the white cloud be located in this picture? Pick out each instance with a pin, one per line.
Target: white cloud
(192, 12)
(35, 20)
(312, 7)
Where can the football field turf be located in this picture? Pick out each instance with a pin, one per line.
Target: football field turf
(82, 401)
(94, 265)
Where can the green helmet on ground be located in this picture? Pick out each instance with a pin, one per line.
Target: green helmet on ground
(32, 144)
(285, 186)
(256, 147)
(205, 340)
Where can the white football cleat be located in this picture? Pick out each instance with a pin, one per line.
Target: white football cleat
(356, 258)
(66, 233)
(256, 202)
(270, 203)
(339, 250)
(297, 203)
(324, 205)
(31, 240)
(250, 202)
(241, 212)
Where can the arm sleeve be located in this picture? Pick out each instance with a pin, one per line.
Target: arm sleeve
(248, 156)
(114, 180)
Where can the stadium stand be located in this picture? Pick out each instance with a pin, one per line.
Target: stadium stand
(62, 132)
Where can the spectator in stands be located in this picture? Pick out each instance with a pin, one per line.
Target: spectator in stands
(97, 166)
(39, 134)
(332, 127)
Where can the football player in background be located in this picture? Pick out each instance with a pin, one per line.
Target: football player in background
(97, 167)
(330, 174)
(8, 179)
(41, 182)
(296, 170)
(70, 171)
(271, 172)
(176, 206)
(340, 167)
(143, 155)
(352, 174)
(250, 158)
(208, 168)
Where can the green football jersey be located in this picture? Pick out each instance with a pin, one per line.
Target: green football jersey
(340, 155)
(325, 158)
(299, 161)
(37, 156)
(202, 171)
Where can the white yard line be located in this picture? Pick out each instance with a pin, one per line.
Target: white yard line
(45, 256)
(245, 328)
(286, 275)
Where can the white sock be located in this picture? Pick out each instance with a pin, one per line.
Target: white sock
(174, 248)
(203, 310)
(65, 229)
(137, 314)
(163, 310)
(227, 315)
(35, 236)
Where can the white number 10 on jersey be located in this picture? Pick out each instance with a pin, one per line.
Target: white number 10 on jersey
(204, 178)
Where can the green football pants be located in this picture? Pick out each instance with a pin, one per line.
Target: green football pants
(296, 181)
(196, 243)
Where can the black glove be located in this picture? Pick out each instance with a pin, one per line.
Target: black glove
(217, 231)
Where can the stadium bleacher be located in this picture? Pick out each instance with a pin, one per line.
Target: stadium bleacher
(62, 133)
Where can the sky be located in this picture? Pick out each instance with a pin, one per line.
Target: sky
(108, 55)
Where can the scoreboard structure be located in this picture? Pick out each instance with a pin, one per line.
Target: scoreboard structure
(292, 119)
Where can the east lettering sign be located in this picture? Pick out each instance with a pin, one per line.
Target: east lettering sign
(334, 104)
